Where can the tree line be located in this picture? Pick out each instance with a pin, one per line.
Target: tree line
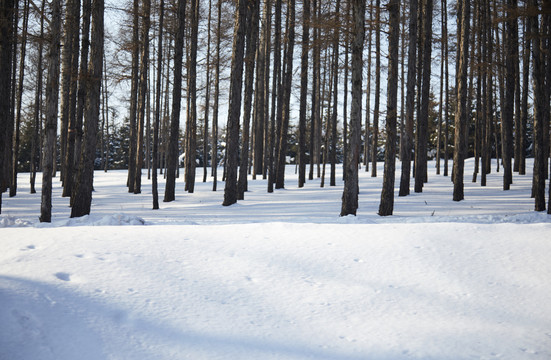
(463, 78)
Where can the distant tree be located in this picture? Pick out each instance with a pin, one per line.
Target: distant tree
(50, 128)
(386, 206)
(84, 186)
(351, 188)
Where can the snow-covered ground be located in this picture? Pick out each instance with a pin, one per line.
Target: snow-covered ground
(277, 276)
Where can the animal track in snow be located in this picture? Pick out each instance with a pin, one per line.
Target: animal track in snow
(63, 276)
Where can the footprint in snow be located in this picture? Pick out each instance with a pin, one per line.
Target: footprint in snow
(63, 276)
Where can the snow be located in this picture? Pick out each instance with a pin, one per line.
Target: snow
(277, 276)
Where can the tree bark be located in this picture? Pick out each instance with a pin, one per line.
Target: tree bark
(172, 153)
(134, 98)
(84, 185)
(375, 133)
(386, 206)
(230, 189)
(410, 100)
(461, 112)
(191, 128)
(52, 97)
(303, 92)
(157, 120)
(351, 188)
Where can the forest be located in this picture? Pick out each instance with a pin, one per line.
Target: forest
(167, 89)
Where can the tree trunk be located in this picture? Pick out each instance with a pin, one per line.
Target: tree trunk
(84, 185)
(333, 153)
(509, 105)
(191, 129)
(287, 81)
(303, 93)
(387, 195)
(375, 134)
(207, 100)
(423, 120)
(172, 153)
(52, 97)
(216, 100)
(524, 101)
(461, 112)
(157, 120)
(230, 189)
(134, 98)
(251, 40)
(142, 95)
(35, 161)
(538, 74)
(410, 100)
(315, 128)
(351, 188)
(7, 10)
(74, 141)
(276, 93)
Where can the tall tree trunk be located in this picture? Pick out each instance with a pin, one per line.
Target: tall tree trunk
(303, 92)
(16, 135)
(510, 43)
(276, 93)
(74, 143)
(52, 97)
(524, 101)
(7, 11)
(207, 99)
(387, 195)
(84, 185)
(251, 40)
(351, 188)
(446, 77)
(35, 161)
(367, 147)
(538, 186)
(172, 153)
(234, 111)
(134, 98)
(423, 120)
(333, 153)
(287, 81)
(315, 127)
(410, 100)
(375, 135)
(142, 94)
(461, 112)
(157, 120)
(216, 100)
(191, 129)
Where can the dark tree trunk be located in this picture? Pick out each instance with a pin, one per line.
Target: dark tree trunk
(74, 143)
(157, 120)
(333, 153)
(303, 92)
(375, 133)
(7, 11)
(207, 99)
(410, 100)
(287, 80)
(134, 98)
(508, 106)
(524, 100)
(251, 40)
(315, 128)
(423, 120)
(52, 97)
(387, 195)
(461, 112)
(142, 95)
(276, 93)
(16, 135)
(172, 153)
(351, 188)
(191, 128)
(234, 111)
(216, 101)
(84, 185)
(35, 158)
